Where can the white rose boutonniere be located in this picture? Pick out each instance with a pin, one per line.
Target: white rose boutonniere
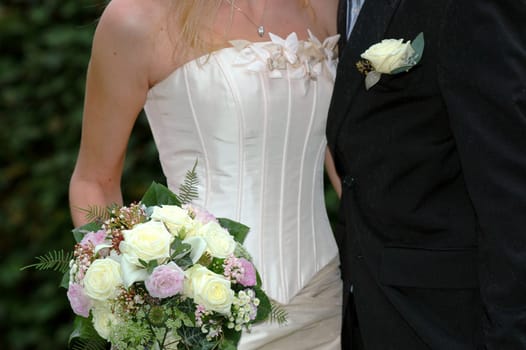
(390, 56)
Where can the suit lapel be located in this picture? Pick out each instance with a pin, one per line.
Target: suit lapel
(369, 29)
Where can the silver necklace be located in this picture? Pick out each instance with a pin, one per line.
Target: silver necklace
(260, 27)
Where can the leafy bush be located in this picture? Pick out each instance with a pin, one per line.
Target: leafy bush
(45, 49)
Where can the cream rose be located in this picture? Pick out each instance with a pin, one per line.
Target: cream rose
(388, 55)
(103, 320)
(148, 241)
(175, 218)
(220, 243)
(209, 289)
(102, 279)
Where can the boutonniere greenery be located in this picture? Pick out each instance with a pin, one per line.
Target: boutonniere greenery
(390, 56)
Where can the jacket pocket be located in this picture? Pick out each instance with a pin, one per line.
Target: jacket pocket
(398, 82)
(429, 268)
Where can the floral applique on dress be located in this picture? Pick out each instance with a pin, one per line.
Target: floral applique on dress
(297, 59)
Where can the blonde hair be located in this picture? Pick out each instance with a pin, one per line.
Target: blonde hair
(193, 17)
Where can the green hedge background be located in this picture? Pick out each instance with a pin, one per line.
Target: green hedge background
(44, 51)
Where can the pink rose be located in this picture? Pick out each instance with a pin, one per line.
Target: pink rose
(93, 239)
(165, 281)
(79, 301)
(248, 277)
(200, 214)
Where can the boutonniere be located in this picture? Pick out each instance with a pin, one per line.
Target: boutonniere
(390, 56)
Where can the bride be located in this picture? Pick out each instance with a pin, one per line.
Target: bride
(243, 87)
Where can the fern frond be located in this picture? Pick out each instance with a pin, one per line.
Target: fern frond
(188, 189)
(54, 260)
(278, 314)
(97, 213)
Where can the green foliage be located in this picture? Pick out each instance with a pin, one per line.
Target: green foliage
(88, 344)
(98, 214)
(181, 253)
(56, 260)
(188, 189)
(85, 337)
(278, 314)
(264, 307)
(236, 229)
(158, 194)
(45, 47)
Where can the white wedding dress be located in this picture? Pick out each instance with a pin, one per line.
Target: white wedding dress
(253, 116)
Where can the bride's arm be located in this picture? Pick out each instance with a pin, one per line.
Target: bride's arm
(331, 172)
(116, 88)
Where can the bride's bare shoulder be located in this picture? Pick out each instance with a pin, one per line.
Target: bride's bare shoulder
(132, 21)
(134, 29)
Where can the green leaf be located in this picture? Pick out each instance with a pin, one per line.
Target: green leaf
(56, 260)
(230, 340)
(149, 265)
(417, 45)
(278, 314)
(401, 70)
(264, 307)
(216, 265)
(97, 213)
(179, 249)
(236, 229)
(88, 344)
(64, 283)
(194, 338)
(258, 279)
(84, 336)
(188, 189)
(158, 194)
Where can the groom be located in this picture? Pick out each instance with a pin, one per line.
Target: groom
(432, 160)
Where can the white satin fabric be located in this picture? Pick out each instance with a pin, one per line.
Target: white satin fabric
(253, 116)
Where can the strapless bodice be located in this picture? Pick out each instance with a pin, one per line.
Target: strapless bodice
(253, 116)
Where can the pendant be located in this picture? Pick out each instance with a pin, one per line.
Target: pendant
(261, 31)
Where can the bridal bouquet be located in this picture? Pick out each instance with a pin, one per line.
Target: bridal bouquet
(161, 274)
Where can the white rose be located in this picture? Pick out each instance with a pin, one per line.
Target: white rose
(102, 279)
(220, 243)
(388, 55)
(147, 241)
(104, 320)
(175, 218)
(209, 289)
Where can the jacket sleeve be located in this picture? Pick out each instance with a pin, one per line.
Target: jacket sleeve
(482, 76)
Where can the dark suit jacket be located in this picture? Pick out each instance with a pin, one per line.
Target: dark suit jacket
(433, 162)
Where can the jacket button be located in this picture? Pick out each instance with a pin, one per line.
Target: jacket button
(349, 181)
